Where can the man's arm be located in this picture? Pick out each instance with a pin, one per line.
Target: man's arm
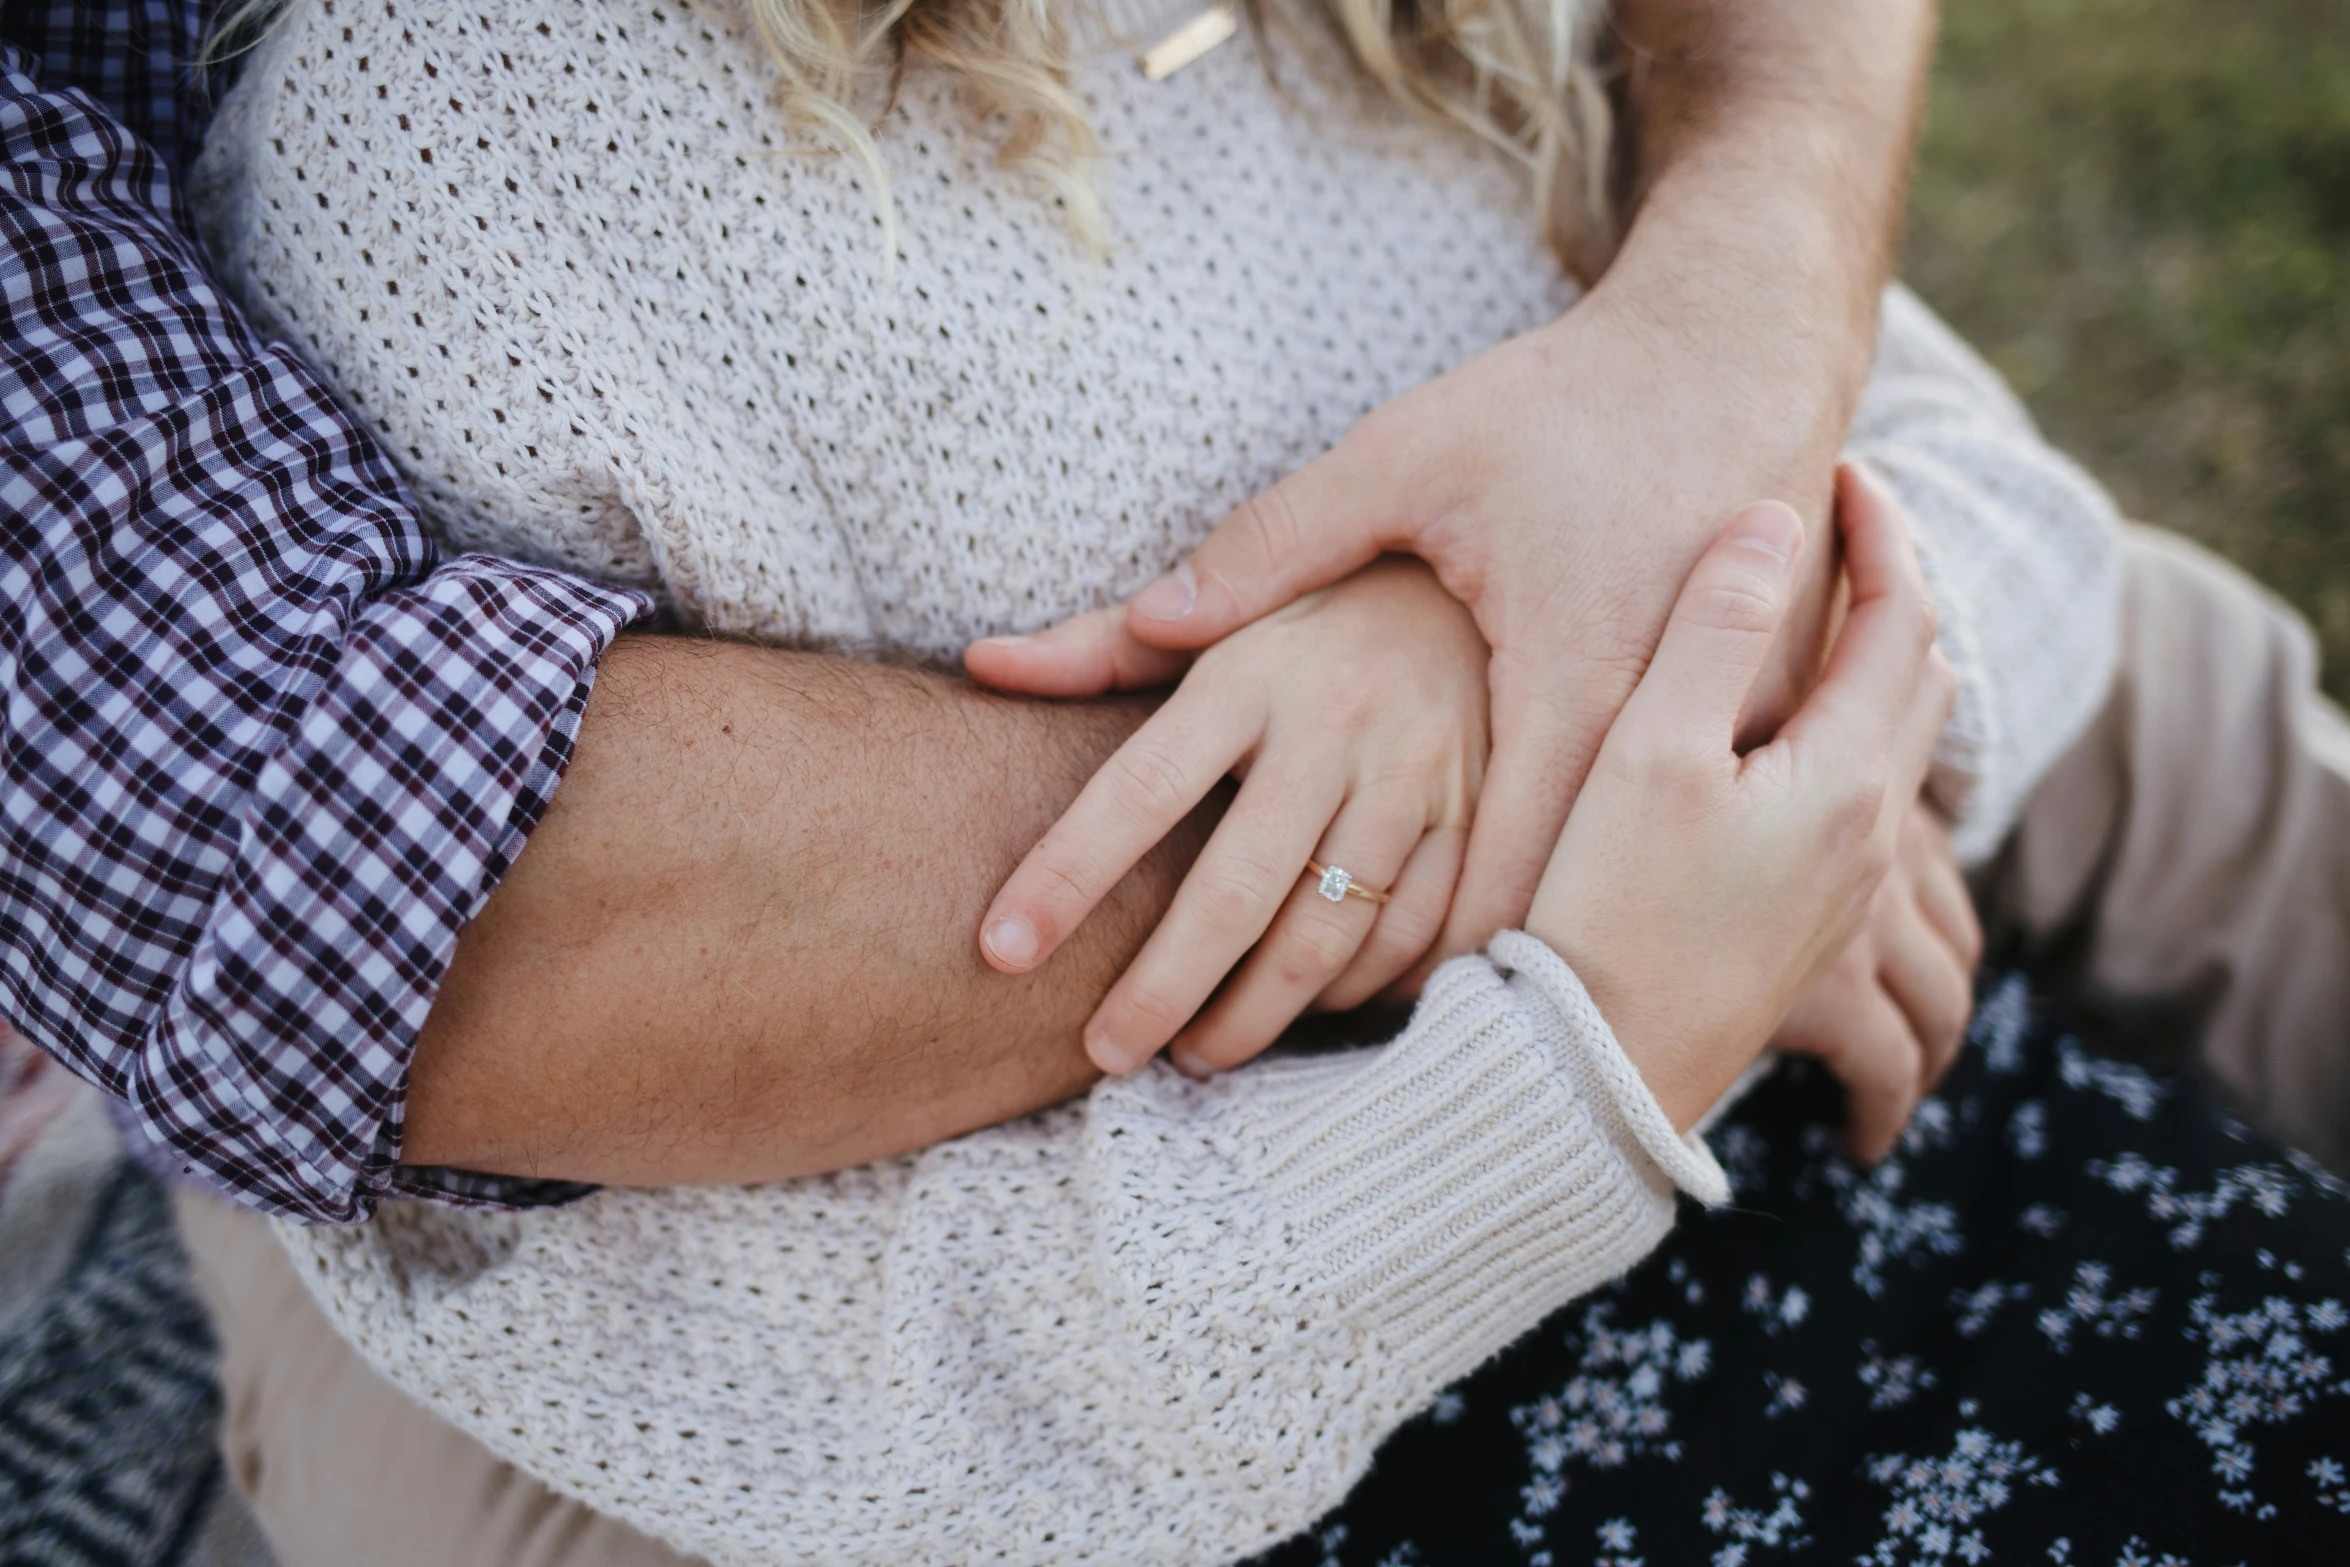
(783, 975)
(1768, 145)
(262, 751)
(740, 943)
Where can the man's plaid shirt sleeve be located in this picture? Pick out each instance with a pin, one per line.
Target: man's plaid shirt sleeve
(264, 754)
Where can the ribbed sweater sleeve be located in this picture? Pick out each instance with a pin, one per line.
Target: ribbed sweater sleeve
(2022, 551)
(1173, 1326)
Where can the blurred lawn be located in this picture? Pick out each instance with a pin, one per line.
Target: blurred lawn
(2140, 210)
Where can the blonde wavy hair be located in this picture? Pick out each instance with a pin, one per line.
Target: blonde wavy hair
(1526, 76)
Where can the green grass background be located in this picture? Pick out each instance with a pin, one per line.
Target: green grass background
(2140, 211)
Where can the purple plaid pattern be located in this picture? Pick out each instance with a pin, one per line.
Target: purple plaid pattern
(264, 751)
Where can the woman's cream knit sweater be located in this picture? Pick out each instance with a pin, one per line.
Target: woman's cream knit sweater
(559, 255)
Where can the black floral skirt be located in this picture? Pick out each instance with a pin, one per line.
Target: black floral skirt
(2080, 1318)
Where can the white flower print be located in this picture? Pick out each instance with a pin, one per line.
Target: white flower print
(2131, 1087)
(2027, 1129)
(1778, 1313)
(1976, 1307)
(2264, 1186)
(1935, 1500)
(1892, 1382)
(2000, 1025)
(2133, 1555)
(1890, 1230)
(1691, 1290)
(2086, 1305)
(2260, 1371)
(1743, 1155)
(1617, 1541)
(2040, 1219)
(1786, 1394)
(2100, 1418)
(1780, 1529)
(2333, 1483)
(1448, 1408)
(1610, 1412)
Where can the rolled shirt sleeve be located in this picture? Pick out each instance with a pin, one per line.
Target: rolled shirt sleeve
(265, 751)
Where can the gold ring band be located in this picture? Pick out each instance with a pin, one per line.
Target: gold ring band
(1338, 885)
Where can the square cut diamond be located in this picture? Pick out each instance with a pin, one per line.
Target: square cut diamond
(1334, 884)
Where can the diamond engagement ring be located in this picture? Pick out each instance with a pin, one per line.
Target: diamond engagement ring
(1338, 885)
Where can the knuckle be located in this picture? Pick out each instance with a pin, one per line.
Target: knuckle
(1232, 894)
(1158, 1009)
(1941, 681)
(1269, 525)
(1929, 618)
(1850, 824)
(1404, 932)
(1660, 765)
(1155, 784)
(1062, 885)
(1734, 600)
(1313, 947)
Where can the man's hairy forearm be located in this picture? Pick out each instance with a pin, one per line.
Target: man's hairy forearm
(741, 945)
(1773, 138)
(1769, 146)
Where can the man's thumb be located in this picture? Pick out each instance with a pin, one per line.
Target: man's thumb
(1722, 628)
(1306, 532)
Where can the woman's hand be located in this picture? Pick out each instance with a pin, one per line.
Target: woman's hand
(1696, 891)
(1355, 718)
(1890, 1011)
(1562, 484)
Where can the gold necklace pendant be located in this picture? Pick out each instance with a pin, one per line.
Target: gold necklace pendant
(1188, 42)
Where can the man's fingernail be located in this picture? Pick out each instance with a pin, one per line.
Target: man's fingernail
(1106, 1053)
(1169, 598)
(1190, 1064)
(1772, 528)
(1011, 941)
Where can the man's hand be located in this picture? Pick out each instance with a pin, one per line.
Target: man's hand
(1696, 890)
(1563, 483)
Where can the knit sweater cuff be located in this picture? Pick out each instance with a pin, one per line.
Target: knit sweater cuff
(1542, 980)
(1500, 1158)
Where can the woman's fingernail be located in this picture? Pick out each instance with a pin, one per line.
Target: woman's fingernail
(1169, 598)
(1106, 1054)
(1190, 1064)
(1009, 641)
(1771, 528)
(1011, 941)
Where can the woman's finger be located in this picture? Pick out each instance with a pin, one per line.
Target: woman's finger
(1881, 1065)
(1311, 941)
(1718, 637)
(1869, 688)
(1241, 880)
(1941, 886)
(1085, 655)
(1408, 925)
(1928, 979)
(1142, 792)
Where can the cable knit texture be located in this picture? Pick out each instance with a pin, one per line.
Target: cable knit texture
(559, 255)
